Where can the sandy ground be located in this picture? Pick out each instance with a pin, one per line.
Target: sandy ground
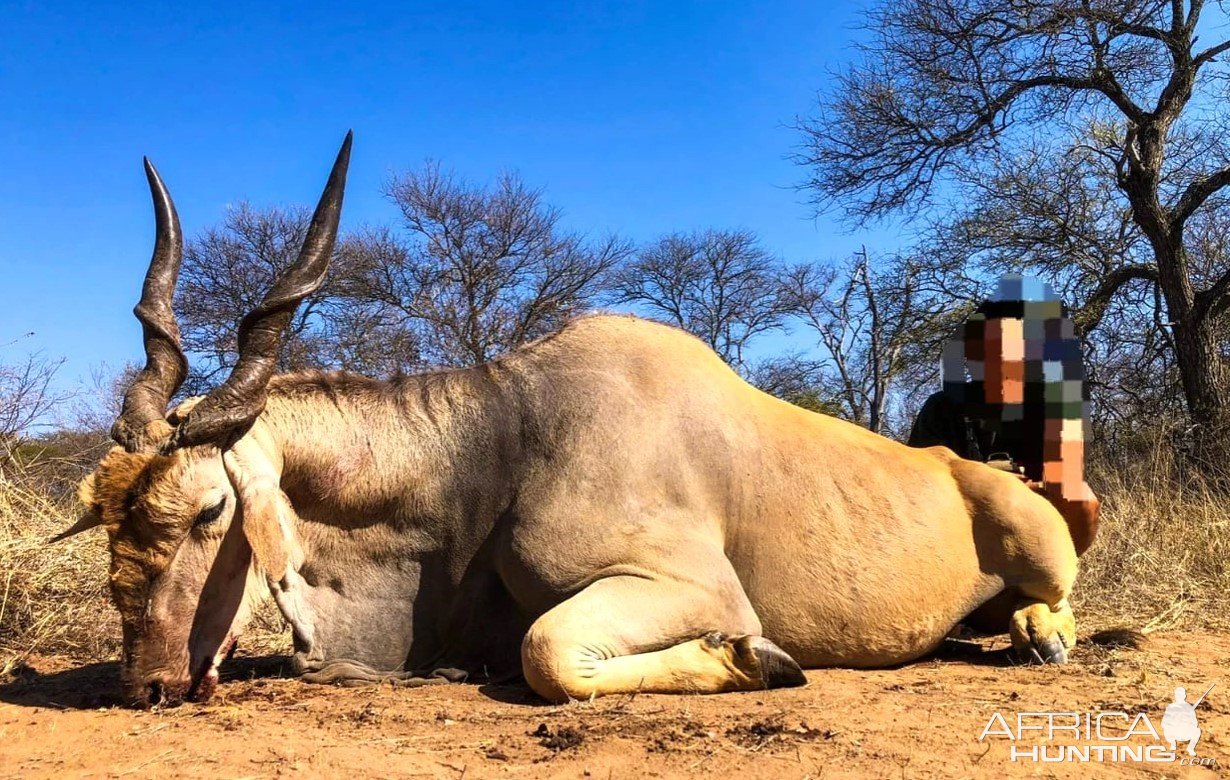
(58, 719)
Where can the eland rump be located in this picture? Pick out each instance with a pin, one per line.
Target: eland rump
(607, 509)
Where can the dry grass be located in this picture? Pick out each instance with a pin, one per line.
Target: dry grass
(1161, 560)
(53, 598)
(1162, 555)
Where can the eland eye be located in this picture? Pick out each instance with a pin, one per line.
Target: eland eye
(209, 515)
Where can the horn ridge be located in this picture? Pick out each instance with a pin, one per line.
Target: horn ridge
(231, 408)
(166, 366)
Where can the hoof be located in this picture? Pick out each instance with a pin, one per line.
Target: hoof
(776, 668)
(1050, 651)
(1042, 635)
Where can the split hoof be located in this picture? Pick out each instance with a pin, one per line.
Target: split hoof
(774, 667)
(1042, 635)
(1047, 651)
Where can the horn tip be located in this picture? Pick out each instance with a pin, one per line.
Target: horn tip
(337, 177)
(151, 173)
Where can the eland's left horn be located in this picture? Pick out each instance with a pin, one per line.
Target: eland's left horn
(230, 409)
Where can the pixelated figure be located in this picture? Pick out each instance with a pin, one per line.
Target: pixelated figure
(1179, 724)
(1015, 397)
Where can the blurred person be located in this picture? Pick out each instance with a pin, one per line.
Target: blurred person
(1015, 397)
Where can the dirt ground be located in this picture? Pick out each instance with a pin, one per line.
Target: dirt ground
(59, 719)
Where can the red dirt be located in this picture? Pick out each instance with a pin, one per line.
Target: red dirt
(57, 719)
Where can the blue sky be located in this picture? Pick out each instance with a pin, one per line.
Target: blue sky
(637, 118)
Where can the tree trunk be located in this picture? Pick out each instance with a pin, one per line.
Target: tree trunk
(1202, 368)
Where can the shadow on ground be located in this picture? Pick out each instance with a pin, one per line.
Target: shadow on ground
(973, 653)
(97, 685)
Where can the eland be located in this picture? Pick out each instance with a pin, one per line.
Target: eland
(608, 509)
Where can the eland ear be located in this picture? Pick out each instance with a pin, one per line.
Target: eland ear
(265, 528)
(89, 519)
(265, 513)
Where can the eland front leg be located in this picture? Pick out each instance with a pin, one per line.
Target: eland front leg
(625, 634)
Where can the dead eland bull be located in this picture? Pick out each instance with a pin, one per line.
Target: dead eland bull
(608, 509)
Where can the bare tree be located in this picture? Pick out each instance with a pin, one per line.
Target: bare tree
(27, 399)
(476, 272)
(227, 270)
(949, 93)
(872, 327)
(720, 285)
(483, 268)
(799, 380)
(95, 410)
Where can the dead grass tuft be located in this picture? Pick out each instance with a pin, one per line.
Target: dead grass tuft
(53, 598)
(1162, 555)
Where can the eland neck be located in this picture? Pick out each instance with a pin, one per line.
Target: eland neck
(396, 485)
(408, 453)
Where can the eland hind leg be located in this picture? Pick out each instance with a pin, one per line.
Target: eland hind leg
(1041, 633)
(624, 634)
(1023, 540)
(1040, 570)
(1042, 626)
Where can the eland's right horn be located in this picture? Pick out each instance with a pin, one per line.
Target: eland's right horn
(142, 421)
